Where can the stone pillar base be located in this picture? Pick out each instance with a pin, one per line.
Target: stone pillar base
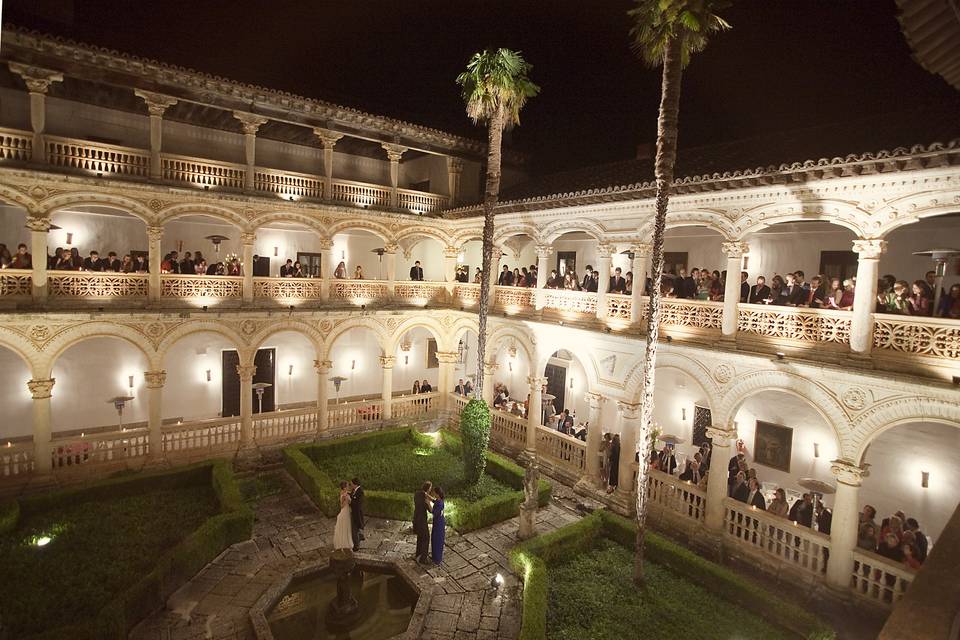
(528, 522)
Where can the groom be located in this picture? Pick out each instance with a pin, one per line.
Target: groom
(356, 512)
(421, 505)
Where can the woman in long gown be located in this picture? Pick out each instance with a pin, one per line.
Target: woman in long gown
(438, 534)
(342, 533)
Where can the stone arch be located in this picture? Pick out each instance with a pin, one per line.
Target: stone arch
(914, 208)
(14, 196)
(16, 343)
(201, 209)
(383, 338)
(554, 230)
(201, 326)
(296, 326)
(95, 329)
(377, 229)
(838, 212)
(288, 216)
(417, 233)
(461, 326)
(889, 414)
(505, 233)
(497, 337)
(426, 322)
(699, 218)
(692, 368)
(754, 382)
(128, 205)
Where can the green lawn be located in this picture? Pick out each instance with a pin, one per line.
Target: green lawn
(591, 595)
(97, 549)
(404, 467)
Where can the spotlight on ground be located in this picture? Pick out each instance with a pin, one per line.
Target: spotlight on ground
(496, 581)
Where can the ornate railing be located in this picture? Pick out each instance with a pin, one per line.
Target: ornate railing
(288, 184)
(514, 298)
(16, 283)
(569, 301)
(354, 413)
(466, 294)
(879, 580)
(99, 448)
(15, 145)
(288, 288)
(419, 293)
(677, 497)
(96, 285)
(360, 194)
(420, 201)
(284, 425)
(413, 406)
(202, 435)
(792, 323)
(359, 291)
(16, 459)
(562, 449)
(777, 539)
(933, 337)
(199, 287)
(203, 173)
(97, 158)
(619, 307)
(695, 314)
(507, 428)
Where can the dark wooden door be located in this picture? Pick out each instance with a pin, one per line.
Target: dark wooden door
(701, 422)
(266, 372)
(673, 261)
(556, 376)
(838, 264)
(566, 261)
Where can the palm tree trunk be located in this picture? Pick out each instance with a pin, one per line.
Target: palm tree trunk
(663, 170)
(490, 197)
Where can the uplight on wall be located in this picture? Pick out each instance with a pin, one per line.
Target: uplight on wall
(69, 237)
(925, 479)
(276, 251)
(209, 376)
(683, 414)
(290, 370)
(406, 361)
(816, 449)
(353, 365)
(130, 381)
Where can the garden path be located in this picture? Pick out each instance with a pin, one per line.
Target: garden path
(289, 530)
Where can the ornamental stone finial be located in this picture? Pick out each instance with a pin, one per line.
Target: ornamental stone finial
(605, 250)
(870, 249)
(157, 103)
(735, 249)
(451, 251)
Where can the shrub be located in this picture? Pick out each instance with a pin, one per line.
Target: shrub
(475, 428)
(9, 515)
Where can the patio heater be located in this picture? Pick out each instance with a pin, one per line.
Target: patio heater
(672, 441)
(119, 402)
(940, 259)
(259, 388)
(337, 382)
(216, 239)
(379, 251)
(818, 488)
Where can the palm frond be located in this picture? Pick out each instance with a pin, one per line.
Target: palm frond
(496, 80)
(656, 22)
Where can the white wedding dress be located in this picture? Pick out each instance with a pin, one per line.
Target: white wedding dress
(342, 532)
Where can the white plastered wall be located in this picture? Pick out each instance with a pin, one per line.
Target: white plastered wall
(412, 365)
(15, 397)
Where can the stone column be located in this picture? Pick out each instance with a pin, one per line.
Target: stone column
(629, 414)
(865, 300)
(494, 275)
(251, 124)
(157, 105)
(38, 82)
(731, 291)
(489, 367)
(39, 230)
(604, 253)
(154, 259)
(544, 251)
(323, 394)
(844, 528)
(246, 371)
(594, 435)
(247, 239)
(641, 257)
(394, 153)
(326, 269)
(390, 267)
(723, 445)
(328, 140)
(155, 381)
(448, 361)
(41, 390)
(386, 394)
(454, 172)
(534, 411)
(450, 264)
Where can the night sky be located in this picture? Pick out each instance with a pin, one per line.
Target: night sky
(785, 63)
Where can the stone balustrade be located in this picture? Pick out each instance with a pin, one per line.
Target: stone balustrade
(877, 579)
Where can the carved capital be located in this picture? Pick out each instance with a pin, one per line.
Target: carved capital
(451, 252)
(41, 389)
(543, 250)
(246, 372)
(394, 151)
(735, 249)
(390, 247)
(870, 249)
(155, 379)
(249, 122)
(448, 357)
(387, 362)
(157, 103)
(37, 79)
(629, 410)
(642, 250)
(721, 437)
(490, 367)
(594, 400)
(322, 366)
(155, 234)
(39, 224)
(604, 251)
(847, 472)
(327, 138)
(536, 382)
(325, 244)
(248, 237)
(454, 165)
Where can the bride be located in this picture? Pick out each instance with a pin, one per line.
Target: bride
(342, 534)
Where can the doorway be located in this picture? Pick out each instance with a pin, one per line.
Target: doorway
(566, 261)
(265, 360)
(556, 385)
(838, 264)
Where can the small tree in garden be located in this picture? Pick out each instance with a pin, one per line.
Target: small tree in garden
(475, 429)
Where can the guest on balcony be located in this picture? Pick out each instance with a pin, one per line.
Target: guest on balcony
(140, 264)
(628, 287)
(614, 464)
(817, 294)
(553, 282)
(112, 263)
(744, 287)
(588, 280)
(506, 277)
(5, 256)
(692, 472)
(802, 511)
(518, 281)
(93, 263)
(950, 304)
(687, 284)
(201, 267)
(297, 270)
(570, 281)
(416, 272)
(187, 265)
(794, 294)
(52, 263)
(617, 283)
(895, 300)
(21, 259)
(461, 388)
(754, 496)
(778, 287)
(341, 271)
(170, 263)
(286, 270)
(778, 506)
(717, 284)
(358, 273)
(478, 276)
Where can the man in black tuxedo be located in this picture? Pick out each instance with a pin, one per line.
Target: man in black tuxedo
(802, 511)
(562, 420)
(794, 292)
(416, 271)
(506, 277)
(740, 490)
(356, 512)
(588, 279)
(690, 285)
(93, 263)
(759, 292)
(460, 389)
(617, 283)
(187, 264)
(421, 506)
(286, 270)
(754, 497)
(744, 287)
(692, 472)
(112, 263)
(594, 283)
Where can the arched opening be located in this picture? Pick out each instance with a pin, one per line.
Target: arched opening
(469, 261)
(567, 385)
(99, 385)
(201, 243)
(13, 232)
(681, 408)
(355, 357)
(898, 458)
(900, 264)
(416, 361)
(786, 438)
(194, 383)
(510, 378)
(295, 379)
(83, 230)
(519, 259)
(574, 253)
(357, 249)
(693, 263)
(466, 367)
(280, 241)
(15, 398)
(426, 250)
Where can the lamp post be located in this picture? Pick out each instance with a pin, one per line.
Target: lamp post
(337, 381)
(216, 239)
(119, 402)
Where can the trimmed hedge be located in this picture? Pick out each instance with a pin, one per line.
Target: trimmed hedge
(475, 430)
(232, 524)
(305, 464)
(9, 515)
(530, 560)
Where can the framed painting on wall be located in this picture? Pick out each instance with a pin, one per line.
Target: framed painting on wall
(432, 362)
(773, 445)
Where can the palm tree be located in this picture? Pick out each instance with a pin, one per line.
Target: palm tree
(664, 32)
(495, 88)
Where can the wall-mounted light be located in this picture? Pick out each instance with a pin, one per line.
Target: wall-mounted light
(683, 413)
(510, 364)
(290, 370)
(816, 449)
(406, 361)
(925, 479)
(209, 377)
(571, 382)
(780, 355)
(130, 381)
(276, 251)
(69, 237)
(353, 365)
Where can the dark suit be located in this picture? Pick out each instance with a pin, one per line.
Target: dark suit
(667, 462)
(741, 492)
(744, 291)
(757, 296)
(802, 513)
(617, 285)
(758, 500)
(286, 271)
(591, 285)
(356, 515)
(187, 266)
(687, 288)
(420, 524)
(416, 273)
(92, 265)
(796, 295)
(505, 279)
(825, 521)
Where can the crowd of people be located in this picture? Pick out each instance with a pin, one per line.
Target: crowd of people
(897, 537)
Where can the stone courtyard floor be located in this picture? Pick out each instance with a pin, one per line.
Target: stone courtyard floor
(289, 531)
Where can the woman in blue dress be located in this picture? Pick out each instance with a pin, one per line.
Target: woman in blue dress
(438, 534)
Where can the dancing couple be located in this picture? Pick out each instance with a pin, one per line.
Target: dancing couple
(429, 498)
(348, 531)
